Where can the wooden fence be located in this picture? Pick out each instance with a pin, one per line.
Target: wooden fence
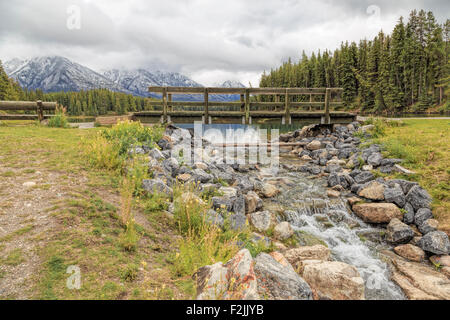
(281, 104)
(38, 106)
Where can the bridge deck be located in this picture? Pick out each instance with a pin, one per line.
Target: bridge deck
(269, 103)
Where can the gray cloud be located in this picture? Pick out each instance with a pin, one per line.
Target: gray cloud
(208, 40)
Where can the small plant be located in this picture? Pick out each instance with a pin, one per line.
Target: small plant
(59, 120)
(130, 273)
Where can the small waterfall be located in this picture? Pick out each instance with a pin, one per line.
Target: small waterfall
(329, 220)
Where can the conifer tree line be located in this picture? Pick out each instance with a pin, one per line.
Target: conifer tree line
(85, 102)
(407, 70)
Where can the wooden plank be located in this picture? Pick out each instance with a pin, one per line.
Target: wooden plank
(224, 104)
(25, 105)
(268, 91)
(213, 90)
(156, 89)
(188, 103)
(186, 90)
(319, 91)
(18, 117)
(304, 103)
(225, 114)
(267, 104)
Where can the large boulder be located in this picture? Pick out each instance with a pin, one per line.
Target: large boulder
(410, 252)
(422, 215)
(279, 282)
(375, 159)
(316, 252)
(156, 186)
(395, 195)
(377, 212)
(235, 280)
(418, 281)
(418, 197)
(333, 280)
(408, 217)
(429, 225)
(269, 190)
(435, 242)
(373, 191)
(314, 145)
(283, 231)
(364, 177)
(397, 232)
(252, 202)
(261, 220)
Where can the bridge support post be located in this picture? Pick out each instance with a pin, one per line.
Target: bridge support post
(248, 120)
(164, 98)
(327, 119)
(286, 107)
(206, 110)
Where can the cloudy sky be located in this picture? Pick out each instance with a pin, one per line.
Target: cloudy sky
(208, 40)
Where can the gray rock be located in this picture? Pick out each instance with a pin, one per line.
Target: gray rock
(223, 203)
(429, 225)
(386, 169)
(238, 222)
(283, 231)
(156, 154)
(390, 162)
(375, 159)
(346, 181)
(398, 233)
(279, 282)
(333, 168)
(239, 205)
(435, 242)
(404, 184)
(201, 176)
(395, 195)
(418, 198)
(214, 218)
(408, 217)
(171, 165)
(354, 173)
(364, 177)
(261, 220)
(156, 185)
(333, 180)
(164, 144)
(422, 215)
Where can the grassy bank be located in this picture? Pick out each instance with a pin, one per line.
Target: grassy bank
(72, 215)
(424, 145)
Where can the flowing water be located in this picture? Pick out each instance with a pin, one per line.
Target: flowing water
(315, 217)
(319, 219)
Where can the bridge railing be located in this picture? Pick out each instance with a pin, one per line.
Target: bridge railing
(38, 106)
(278, 102)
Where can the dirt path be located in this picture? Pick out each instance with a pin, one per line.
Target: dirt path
(26, 223)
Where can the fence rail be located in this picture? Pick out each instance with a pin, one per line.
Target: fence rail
(37, 106)
(248, 106)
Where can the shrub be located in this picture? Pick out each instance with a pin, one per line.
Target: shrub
(101, 153)
(128, 133)
(59, 120)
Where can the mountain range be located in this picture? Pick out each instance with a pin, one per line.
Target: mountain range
(56, 73)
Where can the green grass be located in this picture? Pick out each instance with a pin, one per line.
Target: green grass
(424, 145)
(14, 258)
(88, 227)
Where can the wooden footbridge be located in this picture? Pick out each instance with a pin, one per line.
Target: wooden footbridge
(252, 105)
